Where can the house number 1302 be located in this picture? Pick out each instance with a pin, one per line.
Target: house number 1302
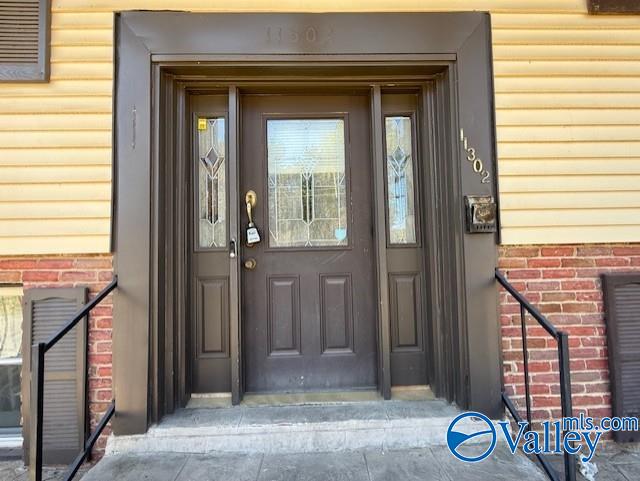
(309, 35)
(476, 162)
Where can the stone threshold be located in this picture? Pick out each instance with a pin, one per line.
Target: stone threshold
(302, 428)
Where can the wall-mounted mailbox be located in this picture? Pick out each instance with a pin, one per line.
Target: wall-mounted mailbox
(480, 213)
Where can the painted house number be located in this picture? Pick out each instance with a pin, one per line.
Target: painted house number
(476, 162)
(309, 35)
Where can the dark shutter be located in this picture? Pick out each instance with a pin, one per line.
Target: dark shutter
(46, 310)
(24, 40)
(622, 314)
(613, 7)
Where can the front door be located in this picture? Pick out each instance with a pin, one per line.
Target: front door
(308, 284)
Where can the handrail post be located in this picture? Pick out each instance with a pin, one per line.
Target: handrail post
(525, 359)
(564, 368)
(37, 409)
(565, 398)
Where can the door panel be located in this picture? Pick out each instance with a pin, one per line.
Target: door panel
(209, 333)
(308, 304)
(284, 315)
(212, 295)
(405, 315)
(336, 302)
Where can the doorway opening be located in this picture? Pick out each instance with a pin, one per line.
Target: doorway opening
(305, 201)
(336, 177)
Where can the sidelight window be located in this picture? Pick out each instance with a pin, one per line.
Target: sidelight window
(307, 184)
(400, 180)
(212, 192)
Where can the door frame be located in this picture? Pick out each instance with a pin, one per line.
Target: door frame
(159, 59)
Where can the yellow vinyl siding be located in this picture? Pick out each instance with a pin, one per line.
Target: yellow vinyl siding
(568, 115)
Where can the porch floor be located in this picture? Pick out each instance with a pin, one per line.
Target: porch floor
(371, 465)
(300, 428)
(365, 440)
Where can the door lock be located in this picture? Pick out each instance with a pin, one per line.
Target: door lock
(250, 264)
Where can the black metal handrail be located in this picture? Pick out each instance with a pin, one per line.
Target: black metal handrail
(38, 352)
(562, 339)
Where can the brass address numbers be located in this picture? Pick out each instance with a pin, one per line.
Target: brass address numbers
(476, 162)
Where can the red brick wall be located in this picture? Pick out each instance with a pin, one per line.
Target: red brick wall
(94, 272)
(563, 282)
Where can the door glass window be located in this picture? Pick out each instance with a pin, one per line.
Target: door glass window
(307, 185)
(212, 192)
(400, 182)
(10, 357)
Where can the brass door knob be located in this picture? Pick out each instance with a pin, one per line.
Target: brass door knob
(250, 264)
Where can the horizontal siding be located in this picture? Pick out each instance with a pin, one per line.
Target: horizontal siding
(568, 125)
(58, 174)
(61, 209)
(568, 115)
(527, 201)
(20, 245)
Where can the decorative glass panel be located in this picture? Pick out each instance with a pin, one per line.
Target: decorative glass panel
(10, 357)
(212, 192)
(400, 183)
(307, 186)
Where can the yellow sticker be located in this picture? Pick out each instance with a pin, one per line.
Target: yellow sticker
(202, 124)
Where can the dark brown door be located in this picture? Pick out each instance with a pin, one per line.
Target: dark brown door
(309, 305)
(209, 327)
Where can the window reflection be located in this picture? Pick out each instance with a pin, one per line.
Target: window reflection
(400, 181)
(212, 183)
(307, 185)
(10, 356)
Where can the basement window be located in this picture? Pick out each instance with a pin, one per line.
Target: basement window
(10, 359)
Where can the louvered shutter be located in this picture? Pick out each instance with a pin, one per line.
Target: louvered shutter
(613, 7)
(24, 40)
(46, 310)
(622, 314)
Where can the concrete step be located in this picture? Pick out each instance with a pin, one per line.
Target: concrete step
(297, 429)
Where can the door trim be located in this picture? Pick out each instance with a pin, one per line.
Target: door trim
(153, 71)
(380, 222)
(235, 297)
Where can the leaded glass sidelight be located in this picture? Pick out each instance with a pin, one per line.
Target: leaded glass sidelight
(400, 180)
(307, 184)
(212, 192)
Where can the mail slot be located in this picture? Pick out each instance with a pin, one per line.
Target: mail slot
(480, 213)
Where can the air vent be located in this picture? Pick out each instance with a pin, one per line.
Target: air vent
(24, 38)
(622, 314)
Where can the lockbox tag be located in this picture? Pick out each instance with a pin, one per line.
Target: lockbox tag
(253, 237)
